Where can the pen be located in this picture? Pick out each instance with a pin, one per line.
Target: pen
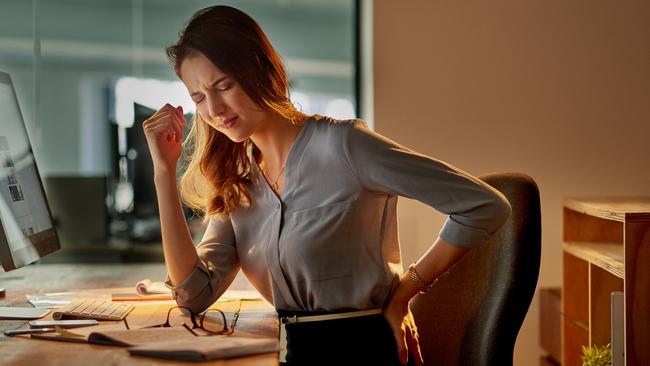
(14, 332)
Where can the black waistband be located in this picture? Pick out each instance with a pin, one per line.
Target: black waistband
(289, 313)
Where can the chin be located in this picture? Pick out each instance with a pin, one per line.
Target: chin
(237, 137)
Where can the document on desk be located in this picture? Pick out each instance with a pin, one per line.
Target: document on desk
(256, 331)
(118, 335)
(207, 348)
(149, 287)
(22, 313)
(79, 335)
(251, 324)
(179, 343)
(143, 336)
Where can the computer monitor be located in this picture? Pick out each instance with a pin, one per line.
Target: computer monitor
(27, 232)
(145, 202)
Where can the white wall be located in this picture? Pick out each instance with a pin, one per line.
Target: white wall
(559, 90)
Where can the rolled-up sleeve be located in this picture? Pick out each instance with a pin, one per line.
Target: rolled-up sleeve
(475, 209)
(215, 269)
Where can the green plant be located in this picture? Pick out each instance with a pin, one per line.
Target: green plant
(596, 356)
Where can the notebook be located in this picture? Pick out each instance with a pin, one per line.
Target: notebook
(207, 348)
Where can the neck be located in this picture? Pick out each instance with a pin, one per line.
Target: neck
(274, 140)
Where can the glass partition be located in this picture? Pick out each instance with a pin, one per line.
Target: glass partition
(86, 70)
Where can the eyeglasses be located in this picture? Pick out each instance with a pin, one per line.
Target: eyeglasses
(211, 321)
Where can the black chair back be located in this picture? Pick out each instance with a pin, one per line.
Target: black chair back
(473, 314)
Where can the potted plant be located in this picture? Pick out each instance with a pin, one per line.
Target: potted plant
(596, 356)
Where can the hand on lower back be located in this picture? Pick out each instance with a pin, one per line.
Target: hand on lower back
(402, 324)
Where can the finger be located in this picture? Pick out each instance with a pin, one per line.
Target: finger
(413, 326)
(168, 109)
(180, 114)
(413, 348)
(155, 118)
(167, 119)
(178, 117)
(402, 351)
(163, 122)
(400, 339)
(171, 131)
(178, 120)
(413, 340)
(159, 129)
(178, 127)
(167, 116)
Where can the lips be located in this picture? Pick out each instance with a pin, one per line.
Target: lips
(228, 123)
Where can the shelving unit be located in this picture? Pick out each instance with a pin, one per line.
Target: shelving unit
(606, 249)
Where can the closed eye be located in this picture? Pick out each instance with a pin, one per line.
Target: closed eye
(224, 87)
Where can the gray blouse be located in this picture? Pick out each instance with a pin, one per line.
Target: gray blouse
(330, 243)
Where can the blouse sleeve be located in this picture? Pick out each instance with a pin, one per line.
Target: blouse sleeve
(215, 269)
(475, 209)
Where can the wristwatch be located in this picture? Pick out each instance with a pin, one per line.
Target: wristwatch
(418, 280)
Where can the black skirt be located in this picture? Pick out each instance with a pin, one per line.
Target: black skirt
(365, 340)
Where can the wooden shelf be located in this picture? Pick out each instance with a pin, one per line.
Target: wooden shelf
(606, 250)
(608, 256)
(612, 208)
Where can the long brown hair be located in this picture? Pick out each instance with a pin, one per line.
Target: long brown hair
(218, 169)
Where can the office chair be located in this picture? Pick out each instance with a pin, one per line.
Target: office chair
(473, 314)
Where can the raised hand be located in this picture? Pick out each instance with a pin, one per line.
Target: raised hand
(164, 133)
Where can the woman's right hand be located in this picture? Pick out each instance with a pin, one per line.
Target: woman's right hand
(164, 133)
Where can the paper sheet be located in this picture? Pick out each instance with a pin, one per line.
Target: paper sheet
(22, 313)
(149, 287)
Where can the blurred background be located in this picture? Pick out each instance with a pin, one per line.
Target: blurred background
(559, 90)
(88, 73)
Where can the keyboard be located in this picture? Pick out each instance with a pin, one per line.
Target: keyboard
(93, 309)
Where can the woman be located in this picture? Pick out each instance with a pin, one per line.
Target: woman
(304, 205)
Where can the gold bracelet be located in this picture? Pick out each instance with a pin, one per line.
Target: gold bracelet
(418, 280)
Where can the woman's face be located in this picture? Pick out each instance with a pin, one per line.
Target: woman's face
(220, 100)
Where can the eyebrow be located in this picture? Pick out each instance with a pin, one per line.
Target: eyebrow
(212, 85)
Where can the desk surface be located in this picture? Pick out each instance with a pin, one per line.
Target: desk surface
(54, 278)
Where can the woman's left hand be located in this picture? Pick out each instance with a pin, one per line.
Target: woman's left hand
(401, 322)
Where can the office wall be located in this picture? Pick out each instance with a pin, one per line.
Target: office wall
(559, 90)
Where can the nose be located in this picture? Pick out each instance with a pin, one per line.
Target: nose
(216, 106)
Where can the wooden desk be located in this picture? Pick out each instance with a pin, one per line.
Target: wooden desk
(54, 278)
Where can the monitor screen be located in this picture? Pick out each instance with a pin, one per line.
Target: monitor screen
(145, 202)
(26, 229)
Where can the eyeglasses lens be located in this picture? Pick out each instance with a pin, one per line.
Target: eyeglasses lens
(178, 316)
(213, 321)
